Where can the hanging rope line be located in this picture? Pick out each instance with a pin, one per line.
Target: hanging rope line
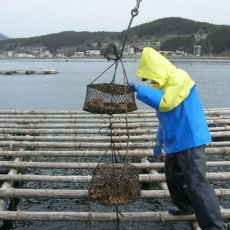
(134, 13)
(115, 183)
(121, 99)
(102, 73)
(113, 54)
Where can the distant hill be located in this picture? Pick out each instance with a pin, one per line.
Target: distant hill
(3, 37)
(171, 33)
(182, 34)
(172, 26)
(59, 40)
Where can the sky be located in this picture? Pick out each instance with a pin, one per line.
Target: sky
(29, 18)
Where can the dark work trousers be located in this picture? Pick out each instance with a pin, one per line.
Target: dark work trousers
(185, 173)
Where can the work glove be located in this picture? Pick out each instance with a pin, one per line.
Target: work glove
(157, 150)
(134, 85)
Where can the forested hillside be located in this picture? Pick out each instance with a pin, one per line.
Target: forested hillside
(172, 34)
(172, 26)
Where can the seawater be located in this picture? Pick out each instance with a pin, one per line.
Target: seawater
(66, 91)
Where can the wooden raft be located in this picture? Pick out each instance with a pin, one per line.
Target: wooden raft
(28, 71)
(44, 148)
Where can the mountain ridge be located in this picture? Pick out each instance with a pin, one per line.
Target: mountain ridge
(3, 37)
(173, 33)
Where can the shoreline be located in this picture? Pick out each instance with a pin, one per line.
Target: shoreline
(183, 58)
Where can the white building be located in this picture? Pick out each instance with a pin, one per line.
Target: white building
(92, 52)
(197, 50)
(131, 51)
(78, 54)
(9, 53)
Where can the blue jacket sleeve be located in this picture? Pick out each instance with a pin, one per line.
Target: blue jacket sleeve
(150, 96)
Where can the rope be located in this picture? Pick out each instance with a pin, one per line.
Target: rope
(102, 73)
(116, 58)
(110, 53)
(134, 13)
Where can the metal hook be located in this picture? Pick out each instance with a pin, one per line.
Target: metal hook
(134, 12)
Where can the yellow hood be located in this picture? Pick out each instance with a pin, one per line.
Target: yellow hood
(175, 83)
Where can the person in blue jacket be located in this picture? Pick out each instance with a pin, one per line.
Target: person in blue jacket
(182, 134)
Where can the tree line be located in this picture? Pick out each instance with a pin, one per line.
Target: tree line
(173, 34)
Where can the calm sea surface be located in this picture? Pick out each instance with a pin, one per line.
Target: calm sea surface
(66, 91)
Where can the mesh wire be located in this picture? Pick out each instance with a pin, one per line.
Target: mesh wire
(109, 99)
(115, 184)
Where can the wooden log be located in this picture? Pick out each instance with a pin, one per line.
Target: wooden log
(159, 177)
(162, 185)
(65, 131)
(100, 217)
(217, 112)
(28, 125)
(98, 138)
(222, 134)
(28, 71)
(14, 171)
(89, 165)
(8, 184)
(77, 153)
(74, 112)
(82, 118)
(75, 121)
(86, 119)
(217, 122)
(103, 127)
(25, 144)
(219, 144)
(66, 112)
(216, 129)
(119, 145)
(86, 179)
(217, 150)
(75, 126)
(45, 131)
(96, 117)
(93, 123)
(96, 153)
(83, 194)
(66, 165)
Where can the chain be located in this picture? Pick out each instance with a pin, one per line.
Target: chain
(116, 57)
(136, 7)
(134, 13)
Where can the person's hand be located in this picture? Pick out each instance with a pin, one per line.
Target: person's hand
(157, 150)
(134, 85)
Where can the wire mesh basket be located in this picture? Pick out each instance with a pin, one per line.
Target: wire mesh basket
(109, 99)
(115, 184)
